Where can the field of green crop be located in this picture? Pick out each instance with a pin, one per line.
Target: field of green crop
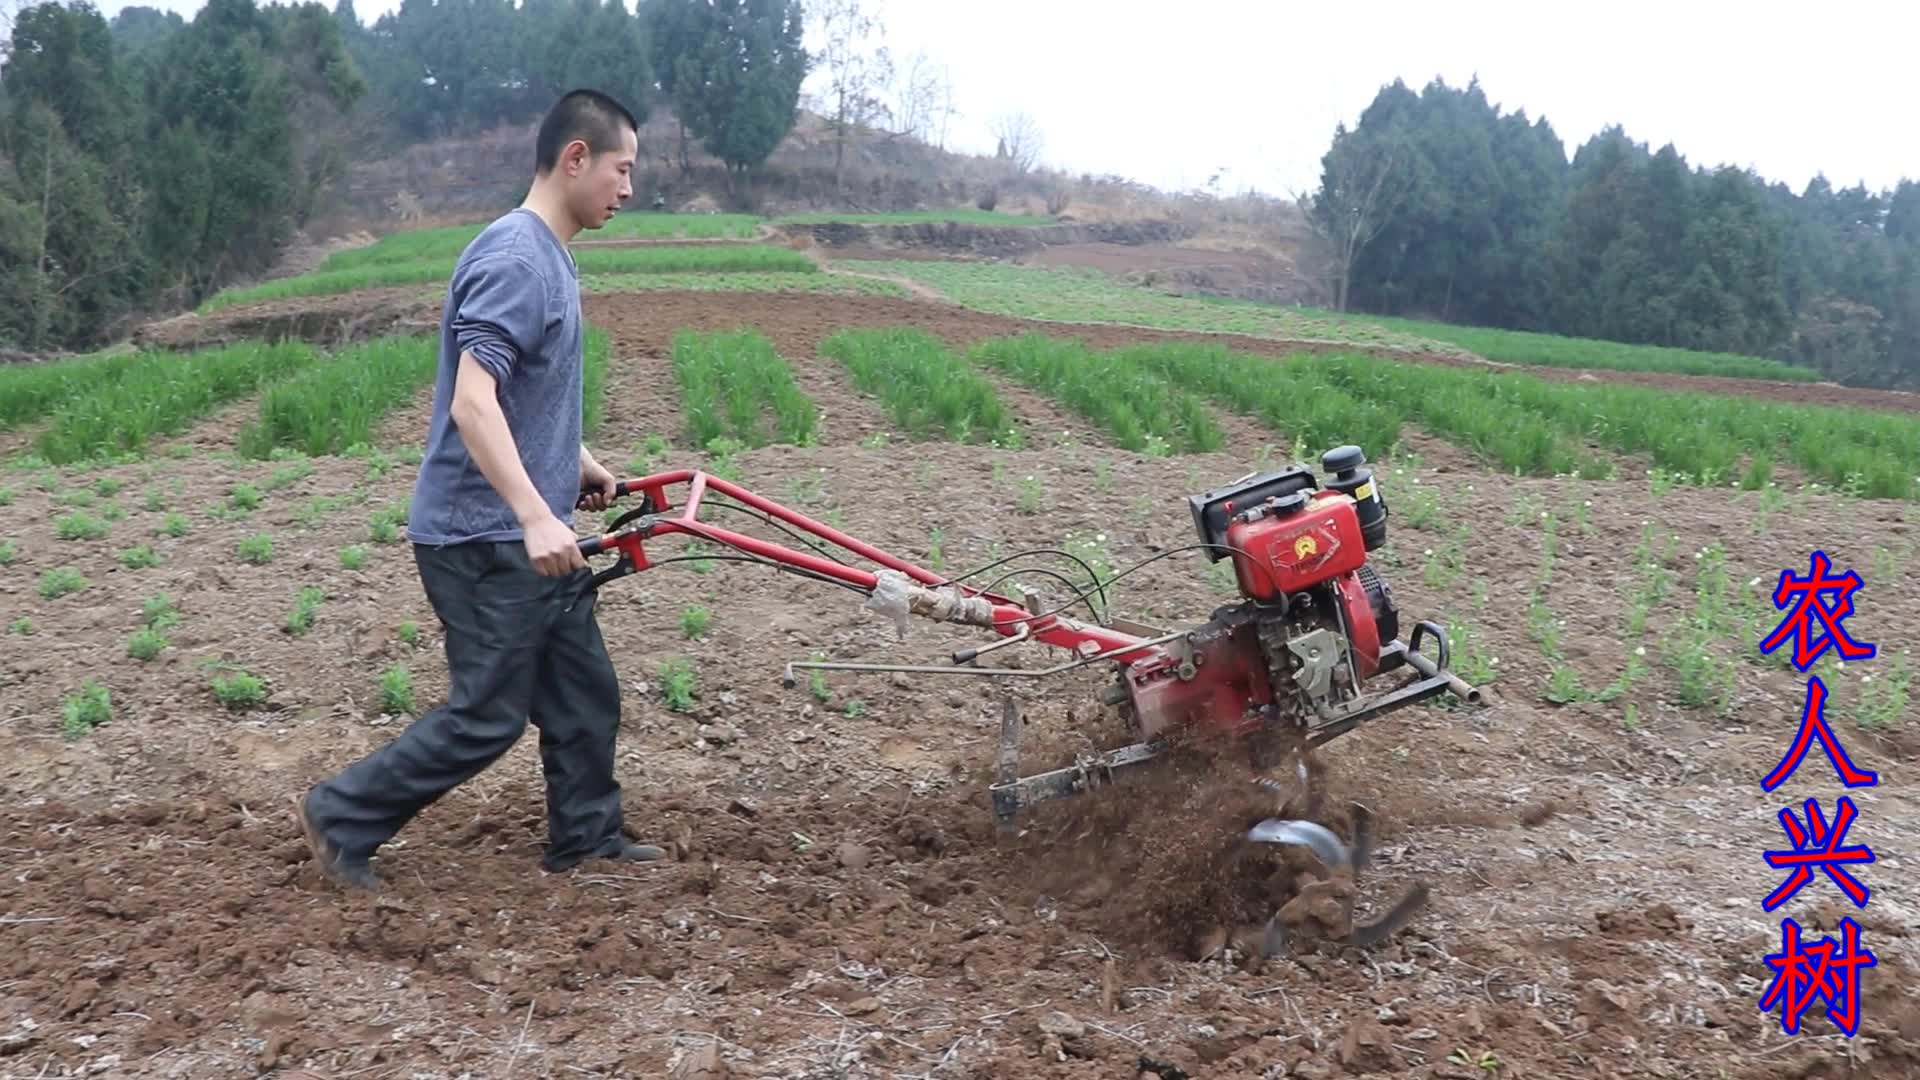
(1515, 422)
(818, 284)
(420, 245)
(733, 384)
(1080, 295)
(309, 402)
(980, 218)
(663, 259)
(927, 391)
(446, 242)
(1088, 296)
(1704, 437)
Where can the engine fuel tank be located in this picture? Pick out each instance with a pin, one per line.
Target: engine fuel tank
(1295, 542)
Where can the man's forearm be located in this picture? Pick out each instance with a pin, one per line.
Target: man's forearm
(484, 429)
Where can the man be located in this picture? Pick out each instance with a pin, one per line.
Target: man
(492, 533)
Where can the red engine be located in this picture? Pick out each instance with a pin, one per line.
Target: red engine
(1315, 613)
(1303, 540)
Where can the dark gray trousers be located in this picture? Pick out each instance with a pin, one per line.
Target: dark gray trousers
(520, 647)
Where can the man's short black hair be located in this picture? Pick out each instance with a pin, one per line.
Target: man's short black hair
(588, 115)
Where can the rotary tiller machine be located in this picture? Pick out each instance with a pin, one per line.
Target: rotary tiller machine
(1281, 671)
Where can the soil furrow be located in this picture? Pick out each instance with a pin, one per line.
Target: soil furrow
(1043, 421)
(847, 416)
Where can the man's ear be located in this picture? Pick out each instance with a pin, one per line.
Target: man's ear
(575, 157)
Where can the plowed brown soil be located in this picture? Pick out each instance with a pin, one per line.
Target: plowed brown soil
(839, 904)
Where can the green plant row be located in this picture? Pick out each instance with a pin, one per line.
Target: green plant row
(161, 395)
(1134, 404)
(337, 404)
(1295, 400)
(733, 383)
(30, 391)
(926, 390)
(1463, 407)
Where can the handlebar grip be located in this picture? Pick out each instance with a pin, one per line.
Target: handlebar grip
(592, 545)
(620, 490)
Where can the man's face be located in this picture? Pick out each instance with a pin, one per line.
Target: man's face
(603, 182)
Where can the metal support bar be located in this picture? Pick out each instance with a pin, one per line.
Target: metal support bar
(1341, 721)
(1437, 680)
(1007, 769)
(1089, 772)
(790, 680)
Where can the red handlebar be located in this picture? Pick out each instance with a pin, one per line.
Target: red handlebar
(1007, 616)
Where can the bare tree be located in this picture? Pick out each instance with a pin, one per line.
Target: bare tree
(946, 109)
(1361, 189)
(1020, 139)
(855, 77)
(916, 93)
(923, 100)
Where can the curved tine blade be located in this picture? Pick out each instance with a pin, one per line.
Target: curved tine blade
(1274, 940)
(1312, 834)
(1362, 839)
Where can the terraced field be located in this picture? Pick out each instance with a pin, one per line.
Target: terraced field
(209, 604)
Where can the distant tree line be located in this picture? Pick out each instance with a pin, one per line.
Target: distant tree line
(147, 161)
(1440, 206)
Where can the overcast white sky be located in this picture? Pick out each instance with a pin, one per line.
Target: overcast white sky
(1167, 93)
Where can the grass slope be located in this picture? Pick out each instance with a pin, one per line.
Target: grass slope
(1088, 296)
(665, 259)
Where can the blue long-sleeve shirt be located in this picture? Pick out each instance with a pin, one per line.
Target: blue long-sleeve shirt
(514, 303)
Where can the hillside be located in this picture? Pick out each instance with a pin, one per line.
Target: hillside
(1246, 246)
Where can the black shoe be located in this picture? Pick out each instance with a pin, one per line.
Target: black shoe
(626, 853)
(639, 853)
(354, 873)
